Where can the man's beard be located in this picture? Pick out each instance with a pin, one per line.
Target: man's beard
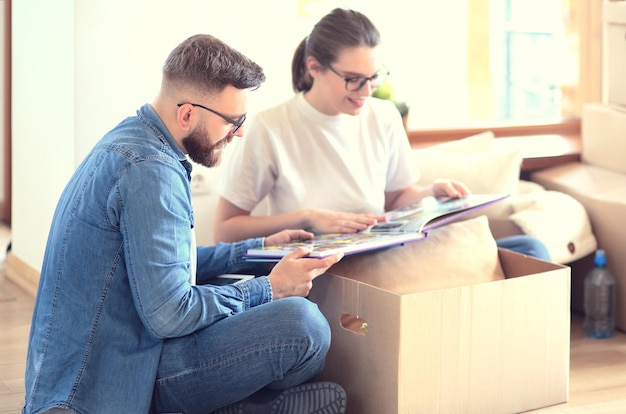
(201, 150)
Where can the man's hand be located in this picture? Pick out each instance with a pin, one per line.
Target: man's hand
(294, 274)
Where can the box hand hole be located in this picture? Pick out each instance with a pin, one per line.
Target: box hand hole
(353, 323)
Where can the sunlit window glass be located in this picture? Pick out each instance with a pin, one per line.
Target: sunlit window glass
(488, 61)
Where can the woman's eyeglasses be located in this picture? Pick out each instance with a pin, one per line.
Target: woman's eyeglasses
(355, 83)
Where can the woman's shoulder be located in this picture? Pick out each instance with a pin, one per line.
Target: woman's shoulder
(276, 117)
(278, 108)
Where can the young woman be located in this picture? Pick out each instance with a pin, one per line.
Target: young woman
(329, 159)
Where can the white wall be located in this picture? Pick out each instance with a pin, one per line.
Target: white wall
(80, 67)
(43, 119)
(3, 118)
(121, 46)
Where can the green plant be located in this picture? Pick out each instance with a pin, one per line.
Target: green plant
(385, 91)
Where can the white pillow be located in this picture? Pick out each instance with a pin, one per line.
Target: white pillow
(526, 187)
(474, 162)
(558, 220)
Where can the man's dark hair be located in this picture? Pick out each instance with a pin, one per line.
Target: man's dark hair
(208, 64)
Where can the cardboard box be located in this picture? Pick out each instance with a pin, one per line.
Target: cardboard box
(614, 61)
(496, 347)
(603, 130)
(603, 194)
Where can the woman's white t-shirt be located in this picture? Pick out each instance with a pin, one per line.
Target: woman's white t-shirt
(300, 158)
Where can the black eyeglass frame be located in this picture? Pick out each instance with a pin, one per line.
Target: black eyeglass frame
(371, 79)
(228, 119)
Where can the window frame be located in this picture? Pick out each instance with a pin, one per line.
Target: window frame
(584, 27)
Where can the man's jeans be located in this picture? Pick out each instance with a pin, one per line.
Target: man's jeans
(278, 344)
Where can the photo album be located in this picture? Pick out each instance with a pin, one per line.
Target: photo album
(403, 225)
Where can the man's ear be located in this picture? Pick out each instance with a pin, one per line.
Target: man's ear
(183, 116)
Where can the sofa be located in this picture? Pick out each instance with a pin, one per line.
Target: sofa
(556, 218)
(598, 182)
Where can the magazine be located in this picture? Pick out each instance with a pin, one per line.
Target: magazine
(431, 212)
(329, 244)
(407, 224)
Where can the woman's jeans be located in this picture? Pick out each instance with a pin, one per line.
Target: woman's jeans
(524, 244)
(279, 344)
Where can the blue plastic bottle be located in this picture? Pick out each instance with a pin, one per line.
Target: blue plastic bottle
(599, 299)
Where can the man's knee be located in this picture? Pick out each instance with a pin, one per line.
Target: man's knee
(306, 318)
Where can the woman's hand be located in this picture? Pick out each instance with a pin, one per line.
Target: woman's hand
(449, 188)
(327, 221)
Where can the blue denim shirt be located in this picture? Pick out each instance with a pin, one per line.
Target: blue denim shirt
(115, 276)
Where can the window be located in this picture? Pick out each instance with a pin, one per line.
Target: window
(526, 60)
(479, 63)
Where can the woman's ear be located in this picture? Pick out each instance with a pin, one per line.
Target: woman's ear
(313, 66)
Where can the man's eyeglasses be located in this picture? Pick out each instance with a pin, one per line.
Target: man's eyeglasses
(355, 83)
(237, 123)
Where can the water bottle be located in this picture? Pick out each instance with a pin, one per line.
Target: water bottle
(599, 300)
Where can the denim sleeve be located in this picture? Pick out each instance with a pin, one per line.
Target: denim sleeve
(153, 204)
(228, 258)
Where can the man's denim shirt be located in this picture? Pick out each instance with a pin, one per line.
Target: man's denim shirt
(115, 278)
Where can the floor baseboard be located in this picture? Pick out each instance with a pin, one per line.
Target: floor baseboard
(20, 273)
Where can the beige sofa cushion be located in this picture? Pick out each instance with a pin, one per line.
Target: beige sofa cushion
(475, 162)
(457, 254)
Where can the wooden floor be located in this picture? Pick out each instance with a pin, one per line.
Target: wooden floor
(597, 370)
(16, 307)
